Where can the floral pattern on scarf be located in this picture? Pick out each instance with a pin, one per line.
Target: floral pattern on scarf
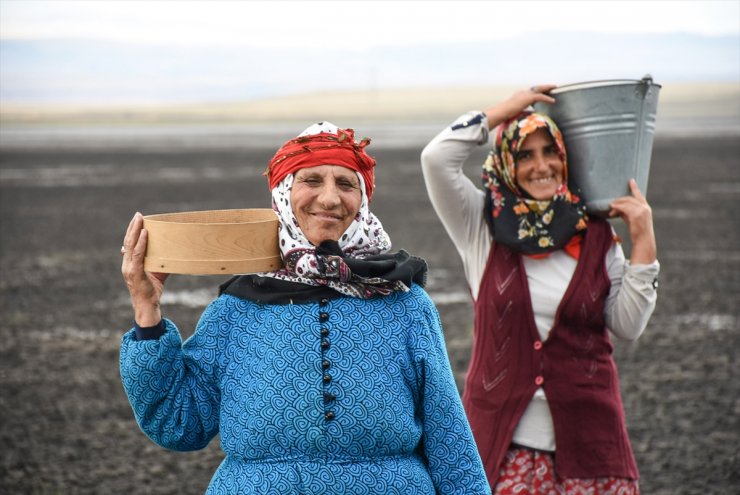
(303, 264)
(514, 218)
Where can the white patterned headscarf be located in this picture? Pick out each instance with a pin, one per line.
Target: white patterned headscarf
(364, 237)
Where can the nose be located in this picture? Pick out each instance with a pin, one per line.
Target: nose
(540, 162)
(329, 195)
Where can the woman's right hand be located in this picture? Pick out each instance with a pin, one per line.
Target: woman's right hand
(517, 102)
(145, 288)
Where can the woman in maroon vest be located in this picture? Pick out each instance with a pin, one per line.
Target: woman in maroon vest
(549, 284)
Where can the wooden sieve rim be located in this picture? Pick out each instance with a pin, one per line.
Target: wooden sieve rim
(216, 217)
(213, 242)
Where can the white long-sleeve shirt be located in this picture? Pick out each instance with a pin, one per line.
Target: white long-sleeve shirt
(459, 204)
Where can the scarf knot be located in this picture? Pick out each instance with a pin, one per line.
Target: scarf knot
(330, 264)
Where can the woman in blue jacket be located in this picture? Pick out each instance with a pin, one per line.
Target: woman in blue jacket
(327, 376)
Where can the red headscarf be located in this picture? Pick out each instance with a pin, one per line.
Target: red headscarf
(324, 148)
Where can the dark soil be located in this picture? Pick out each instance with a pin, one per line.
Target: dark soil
(66, 426)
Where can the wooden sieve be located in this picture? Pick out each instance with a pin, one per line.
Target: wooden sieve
(213, 242)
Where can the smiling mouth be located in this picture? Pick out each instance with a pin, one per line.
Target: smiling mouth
(326, 217)
(542, 180)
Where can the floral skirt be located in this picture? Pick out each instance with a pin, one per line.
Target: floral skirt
(532, 472)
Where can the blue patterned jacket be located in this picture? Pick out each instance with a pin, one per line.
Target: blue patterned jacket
(342, 396)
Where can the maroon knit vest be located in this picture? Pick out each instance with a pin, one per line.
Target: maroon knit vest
(574, 366)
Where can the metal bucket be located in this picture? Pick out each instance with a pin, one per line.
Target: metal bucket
(608, 128)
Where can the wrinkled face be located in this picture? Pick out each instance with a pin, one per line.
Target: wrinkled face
(325, 199)
(539, 169)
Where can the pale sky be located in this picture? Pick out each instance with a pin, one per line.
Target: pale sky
(358, 24)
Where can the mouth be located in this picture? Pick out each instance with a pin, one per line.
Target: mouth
(326, 217)
(542, 180)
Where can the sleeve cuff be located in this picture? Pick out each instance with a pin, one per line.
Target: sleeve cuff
(475, 123)
(467, 120)
(149, 333)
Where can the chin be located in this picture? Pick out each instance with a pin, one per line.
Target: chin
(543, 195)
(317, 240)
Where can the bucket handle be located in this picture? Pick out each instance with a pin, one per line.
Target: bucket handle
(642, 91)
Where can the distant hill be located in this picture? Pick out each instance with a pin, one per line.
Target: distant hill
(93, 72)
(698, 104)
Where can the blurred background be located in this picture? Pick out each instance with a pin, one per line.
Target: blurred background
(246, 61)
(112, 107)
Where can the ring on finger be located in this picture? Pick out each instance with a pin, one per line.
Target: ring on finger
(534, 89)
(123, 250)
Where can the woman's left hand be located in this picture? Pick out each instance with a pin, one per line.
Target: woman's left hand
(637, 214)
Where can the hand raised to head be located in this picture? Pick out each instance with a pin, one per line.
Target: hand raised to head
(145, 288)
(517, 102)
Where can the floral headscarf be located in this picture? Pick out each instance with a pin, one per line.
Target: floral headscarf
(514, 218)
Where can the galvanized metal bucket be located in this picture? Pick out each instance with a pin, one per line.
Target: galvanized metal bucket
(608, 128)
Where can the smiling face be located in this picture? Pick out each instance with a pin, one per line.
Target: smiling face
(539, 169)
(325, 199)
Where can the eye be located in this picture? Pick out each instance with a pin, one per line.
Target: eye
(551, 150)
(346, 185)
(522, 155)
(311, 181)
